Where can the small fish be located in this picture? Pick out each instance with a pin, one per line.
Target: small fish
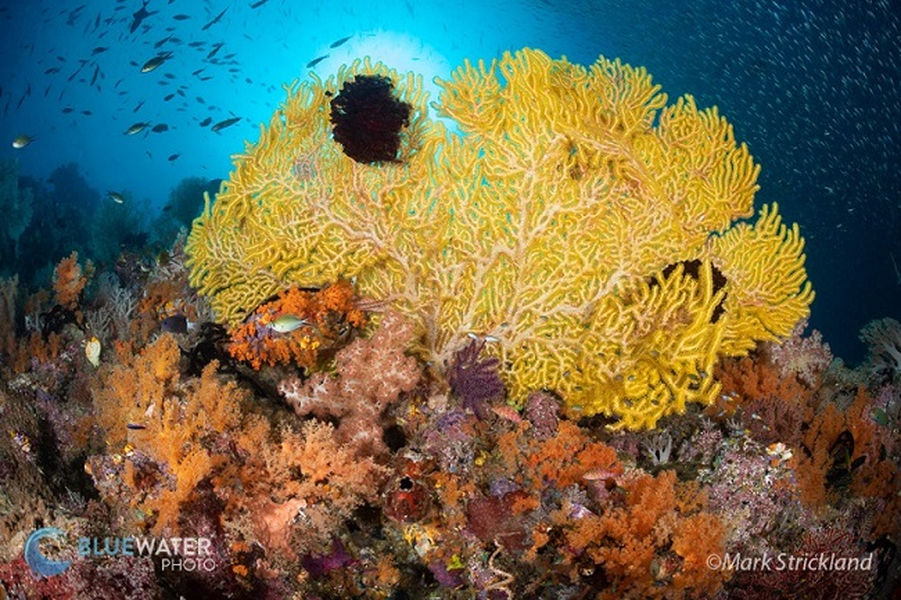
(169, 97)
(99, 49)
(215, 49)
(214, 21)
(136, 128)
(162, 41)
(175, 324)
(138, 107)
(23, 140)
(337, 43)
(67, 110)
(116, 197)
(206, 121)
(135, 426)
(139, 16)
(181, 17)
(259, 3)
(173, 156)
(160, 128)
(155, 62)
(507, 412)
(316, 61)
(288, 323)
(226, 123)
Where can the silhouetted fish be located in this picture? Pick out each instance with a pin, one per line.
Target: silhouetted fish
(139, 16)
(206, 121)
(173, 156)
(316, 61)
(226, 123)
(181, 17)
(337, 43)
(215, 49)
(160, 128)
(175, 323)
(214, 21)
(258, 4)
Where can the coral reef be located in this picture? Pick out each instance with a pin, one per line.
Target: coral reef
(586, 229)
(381, 419)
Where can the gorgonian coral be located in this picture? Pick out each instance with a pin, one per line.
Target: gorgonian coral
(560, 217)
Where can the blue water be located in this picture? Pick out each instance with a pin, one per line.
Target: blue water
(811, 86)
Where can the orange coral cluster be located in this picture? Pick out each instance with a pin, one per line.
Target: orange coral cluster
(838, 449)
(574, 512)
(774, 405)
(167, 435)
(847, 449)
(653, 541)
(331, 315)
(69, 280)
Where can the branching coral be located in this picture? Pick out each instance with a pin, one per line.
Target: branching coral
(883, 340)
(550, 222)
(164, 435)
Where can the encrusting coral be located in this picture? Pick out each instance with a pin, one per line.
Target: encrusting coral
(575, 217)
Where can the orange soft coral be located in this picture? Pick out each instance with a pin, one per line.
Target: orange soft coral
(847, 449)
(68, 281)
(653, 543)
(330, 316)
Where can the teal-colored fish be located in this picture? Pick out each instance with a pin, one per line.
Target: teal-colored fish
(288, 323)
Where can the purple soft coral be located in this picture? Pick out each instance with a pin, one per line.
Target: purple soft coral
(473, 380)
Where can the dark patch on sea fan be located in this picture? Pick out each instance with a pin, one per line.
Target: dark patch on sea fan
(367, 119)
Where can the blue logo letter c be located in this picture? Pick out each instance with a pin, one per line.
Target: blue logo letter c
(40, 564)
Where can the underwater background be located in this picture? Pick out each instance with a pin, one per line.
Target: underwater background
(809, 86)
(116, 117)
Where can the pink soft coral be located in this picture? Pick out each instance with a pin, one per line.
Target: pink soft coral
(371, 374)
(805, 358)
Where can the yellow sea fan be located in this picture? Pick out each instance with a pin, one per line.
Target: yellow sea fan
(554, 221)
(767, 290)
